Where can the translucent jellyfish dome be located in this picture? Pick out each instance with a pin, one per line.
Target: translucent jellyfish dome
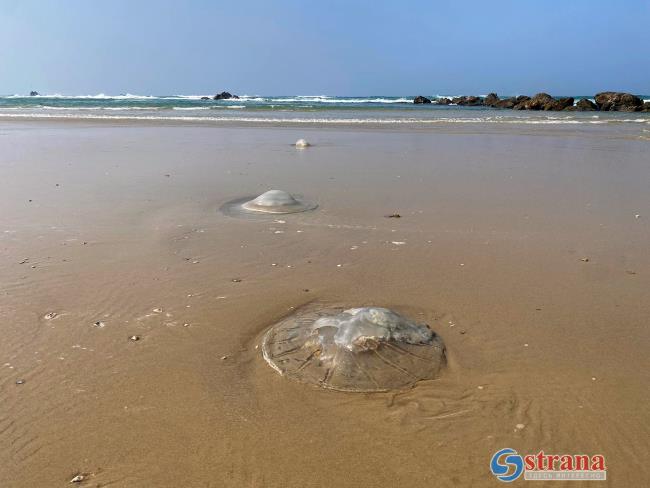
(270, 202)
(367, 349)
(302, 143)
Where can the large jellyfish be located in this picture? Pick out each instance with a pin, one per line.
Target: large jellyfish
(270, 202)
(359, 349)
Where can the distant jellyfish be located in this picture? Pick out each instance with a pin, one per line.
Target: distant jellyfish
(270, 202)
(302, 143)
(366, 349)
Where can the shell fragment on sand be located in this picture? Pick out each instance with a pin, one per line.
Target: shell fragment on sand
(367, 349)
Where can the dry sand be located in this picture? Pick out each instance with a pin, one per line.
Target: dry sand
(119, 225)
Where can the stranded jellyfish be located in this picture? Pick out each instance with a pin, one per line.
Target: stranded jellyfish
(360, 349)
(302, 143)
(270, 202)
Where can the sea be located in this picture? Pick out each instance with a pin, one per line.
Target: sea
(289, 110)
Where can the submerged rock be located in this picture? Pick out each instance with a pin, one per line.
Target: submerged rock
(420, 99)
(302, 143)
(359, 349)
(443, 101)
(618, 101)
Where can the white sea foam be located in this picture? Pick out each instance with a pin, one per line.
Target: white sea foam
(72, 109)
(99, 96)
(208, 107)
(332, 121)
(122, 108)
(322, 99)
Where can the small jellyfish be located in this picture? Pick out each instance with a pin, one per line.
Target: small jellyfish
(270, 202)
(367, 349)
(301, 143)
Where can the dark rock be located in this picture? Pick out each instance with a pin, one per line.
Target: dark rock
(33, 93)
(646, 106)
(586, 105)
(205, 98)
(521, 101)
(618, 101)
(420, 99)
(559, 104)
(491, 100)
(538, 101)
(506, 103)
(443, 101)
(468, 101)
(224, 96)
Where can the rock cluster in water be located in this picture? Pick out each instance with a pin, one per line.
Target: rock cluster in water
(604, 101)
(225, 96)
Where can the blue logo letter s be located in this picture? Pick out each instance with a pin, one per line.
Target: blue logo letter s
(500, 469)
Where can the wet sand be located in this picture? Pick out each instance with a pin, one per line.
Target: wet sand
(521, 247)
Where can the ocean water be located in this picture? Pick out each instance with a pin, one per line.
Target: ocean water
(316, 109)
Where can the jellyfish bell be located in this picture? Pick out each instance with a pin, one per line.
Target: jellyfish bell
(366, 349)
(270, 202)
(274, 201)
(302, 143)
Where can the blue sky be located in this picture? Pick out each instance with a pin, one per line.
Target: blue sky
(331, 47)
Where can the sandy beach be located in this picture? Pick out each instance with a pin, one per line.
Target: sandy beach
(524, 247)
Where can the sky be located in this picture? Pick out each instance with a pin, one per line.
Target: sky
(324, 47)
